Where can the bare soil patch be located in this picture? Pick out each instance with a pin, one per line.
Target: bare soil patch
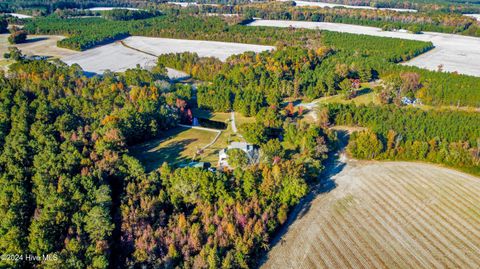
(143, 51)
(44, 45)
(384, 215)
(220, 50)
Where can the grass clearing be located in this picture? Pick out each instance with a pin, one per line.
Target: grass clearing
(361, 99)
(181, 144)
(215, 116)
(4, 63)
(226, 137)
(176, 146)
(241, 119)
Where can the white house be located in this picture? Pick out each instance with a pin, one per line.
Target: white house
(249, 149)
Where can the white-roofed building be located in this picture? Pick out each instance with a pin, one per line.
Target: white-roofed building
(249, 149)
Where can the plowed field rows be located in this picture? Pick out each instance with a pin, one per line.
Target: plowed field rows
(387, 215)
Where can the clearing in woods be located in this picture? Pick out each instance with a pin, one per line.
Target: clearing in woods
(176, 146)
(385, 215)
(181, 145)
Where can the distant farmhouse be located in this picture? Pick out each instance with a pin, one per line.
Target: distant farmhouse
(411, 101)
(250, 150)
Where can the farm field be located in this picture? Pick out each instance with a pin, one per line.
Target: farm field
(114, 57)
(386, 215)
(331, 5)
(143, 51)
(456, 53)
(19, 16)
(38, 45)
(476, 16)
(110, 8)
(220, 50)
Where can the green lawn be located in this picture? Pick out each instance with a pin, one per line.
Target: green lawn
(176, 146)
(364, 96)
(180, 145)
(4, 63)
(215, 116)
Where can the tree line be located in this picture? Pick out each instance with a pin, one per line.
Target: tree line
(387, 19)
(63, 141)
(451, 138)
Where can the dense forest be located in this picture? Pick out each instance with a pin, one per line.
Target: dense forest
(195, 218)
(446, 6)
(3, 25)
(444, 137)
(444, 22)
(248, 82)
(63, 140)
(70, 190)
(349, 56)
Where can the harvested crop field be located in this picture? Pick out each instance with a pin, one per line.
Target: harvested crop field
(114, 57)
(333, 5)
(18, 15)
(143, 51)
(110, 8)
(44, 45)
(455, 52)
(386, 215)
(220, 50)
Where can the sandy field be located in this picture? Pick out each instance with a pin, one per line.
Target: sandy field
(331, 5)
(220, 50)
(183, 4)
(188, 4)
(385, 215)
(37, 45)
(114, 57)
(455, 52)
(117, 57)
(111, 8)
(476, 16)
(20, 16)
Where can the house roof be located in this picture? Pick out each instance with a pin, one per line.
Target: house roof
(240, 145)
